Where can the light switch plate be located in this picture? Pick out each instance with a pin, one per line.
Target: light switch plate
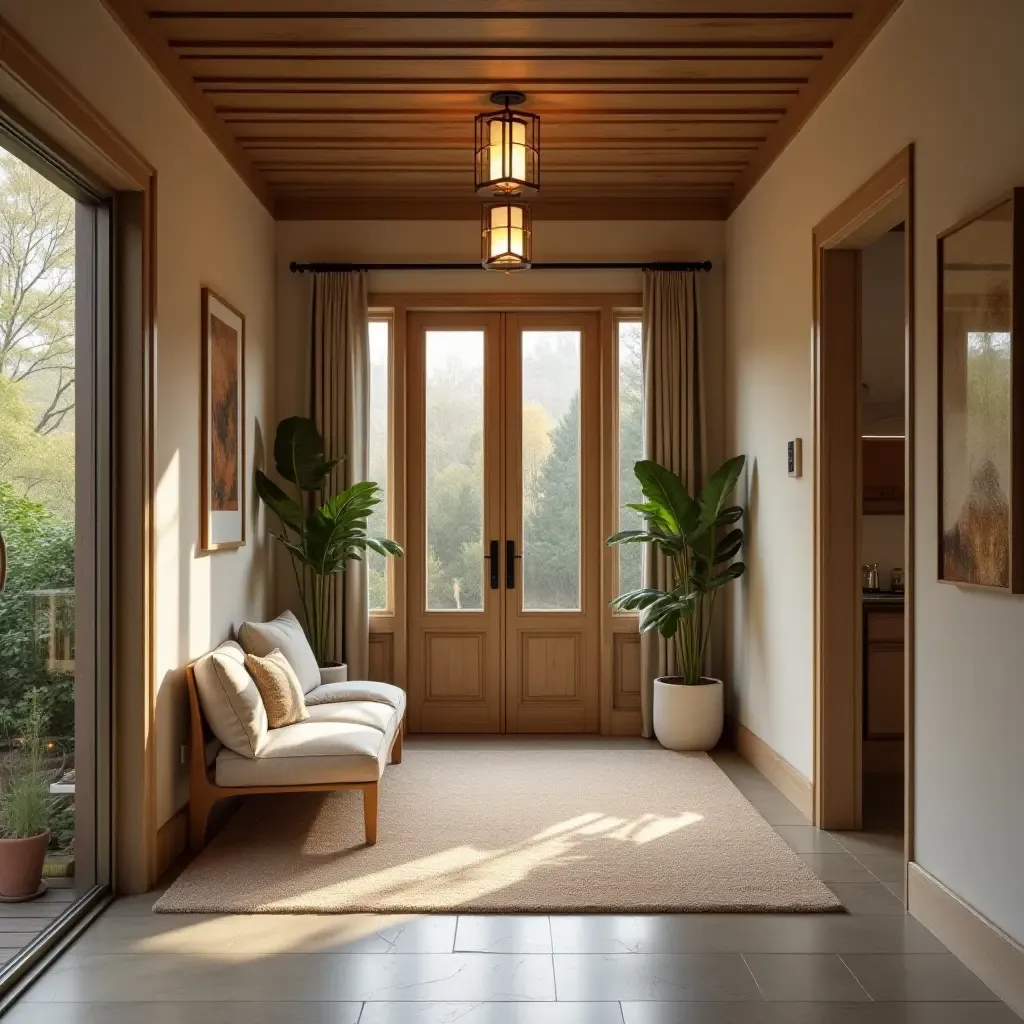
(795, 457)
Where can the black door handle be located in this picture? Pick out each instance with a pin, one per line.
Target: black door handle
(510, 564)
(493, 556)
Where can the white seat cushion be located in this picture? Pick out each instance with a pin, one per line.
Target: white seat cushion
(361, 689)
(285, 634)
(230, 700)
(309, 753)
(357, 712)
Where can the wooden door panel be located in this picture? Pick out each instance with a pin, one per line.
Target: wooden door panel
(455, 638)
(552, 621)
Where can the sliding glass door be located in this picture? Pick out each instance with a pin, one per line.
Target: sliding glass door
(55, 554)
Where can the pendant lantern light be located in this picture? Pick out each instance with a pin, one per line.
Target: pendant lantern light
(506, 233)
(507, 148)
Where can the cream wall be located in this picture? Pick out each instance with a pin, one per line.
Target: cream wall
(945, 75)
(459, 241)
(210, 231)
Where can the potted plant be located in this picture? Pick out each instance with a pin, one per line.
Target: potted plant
(321, 536)
(26, 808)
(699, 551)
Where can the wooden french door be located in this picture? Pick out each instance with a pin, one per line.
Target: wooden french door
(504, 541)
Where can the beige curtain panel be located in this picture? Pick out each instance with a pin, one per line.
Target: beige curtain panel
(674, 432)
(340, 400)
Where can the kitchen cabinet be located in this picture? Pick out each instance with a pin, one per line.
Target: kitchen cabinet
(882, 475)
(883, 671)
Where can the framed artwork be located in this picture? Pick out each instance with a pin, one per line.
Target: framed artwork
(223, 428)
(981, 391)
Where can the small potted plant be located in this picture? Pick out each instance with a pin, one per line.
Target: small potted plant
(321, 539)
(691, 533)
(26, 808)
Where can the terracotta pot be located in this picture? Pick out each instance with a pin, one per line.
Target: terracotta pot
(21, 865)
(688, 717)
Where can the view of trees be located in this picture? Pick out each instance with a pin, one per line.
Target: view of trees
(631, 448)
(37, 453)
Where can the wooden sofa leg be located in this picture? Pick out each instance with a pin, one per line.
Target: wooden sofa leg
(198, 818)
(396, 746)
(370, 813)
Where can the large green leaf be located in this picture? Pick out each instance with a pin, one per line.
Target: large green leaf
(729, 546)
(299, 453)
(718, 488)
(663, 488)
(287, 509)
(727, 575)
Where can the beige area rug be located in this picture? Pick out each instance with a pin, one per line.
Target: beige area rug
(543, 829)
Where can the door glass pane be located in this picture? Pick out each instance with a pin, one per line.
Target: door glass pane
(38, 520)
(631, 446)
(377, 460)
(551, 470)
(455, 470)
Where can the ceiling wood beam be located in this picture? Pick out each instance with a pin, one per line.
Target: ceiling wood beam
(459, 209)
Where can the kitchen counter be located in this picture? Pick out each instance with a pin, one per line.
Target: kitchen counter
(891, 598)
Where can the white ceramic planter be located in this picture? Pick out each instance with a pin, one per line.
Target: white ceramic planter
(333, 674)
(688, 717)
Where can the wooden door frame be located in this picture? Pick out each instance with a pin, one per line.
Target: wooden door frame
(883, 201)
(618, 716)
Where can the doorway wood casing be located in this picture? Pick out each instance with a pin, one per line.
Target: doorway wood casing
(508, 658)
(879, 205)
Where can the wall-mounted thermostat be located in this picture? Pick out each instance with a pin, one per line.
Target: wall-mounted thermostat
(795, 455)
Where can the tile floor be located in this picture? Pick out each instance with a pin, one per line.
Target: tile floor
(874, 965)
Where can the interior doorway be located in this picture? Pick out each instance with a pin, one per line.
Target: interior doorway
(504, 548)
(864, 456)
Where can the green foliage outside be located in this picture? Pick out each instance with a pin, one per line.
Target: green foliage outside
(37, 494)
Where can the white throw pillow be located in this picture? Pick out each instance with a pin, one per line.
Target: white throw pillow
(230, 699)
(284, 634)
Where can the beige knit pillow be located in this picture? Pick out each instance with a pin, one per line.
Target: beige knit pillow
(279, 687)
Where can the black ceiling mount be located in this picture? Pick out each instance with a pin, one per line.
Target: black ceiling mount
(508, 98)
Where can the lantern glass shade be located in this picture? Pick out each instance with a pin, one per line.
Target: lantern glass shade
(507, 152)
(507, 236)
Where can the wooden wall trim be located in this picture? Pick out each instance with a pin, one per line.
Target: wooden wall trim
(988, 951)
(792, 784)
(48, 108)
(134, 21)
(56, 96)
(868, 21)
(469, 209)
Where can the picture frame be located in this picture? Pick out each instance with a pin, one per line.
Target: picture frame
(980, 394)
(222, 510)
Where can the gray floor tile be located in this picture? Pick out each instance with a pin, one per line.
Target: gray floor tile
(799, 977)
(503, 933)
(297, 977)
(911, 977)
(184, 1013)
(742, 933)
(837, 867)
(491, 1013)
(898, 889)
(869, 842)
(808, 839)
(867, 898)
(776, 809)
(160, 933)
(345, 933)
(886, 867)
(817, 1013)
(665, 977)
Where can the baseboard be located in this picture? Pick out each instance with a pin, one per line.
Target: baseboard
(777, 770)
(993, 956)
(171, 840)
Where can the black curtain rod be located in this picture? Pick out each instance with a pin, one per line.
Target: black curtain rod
(302, 268)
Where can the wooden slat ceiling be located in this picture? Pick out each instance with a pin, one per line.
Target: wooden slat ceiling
(368, 104)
